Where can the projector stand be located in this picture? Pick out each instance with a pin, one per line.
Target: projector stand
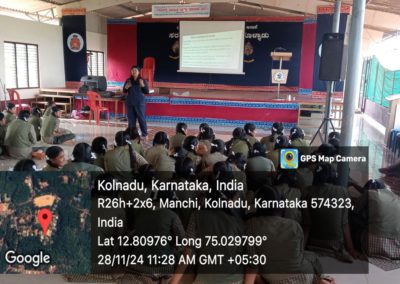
(325, 123)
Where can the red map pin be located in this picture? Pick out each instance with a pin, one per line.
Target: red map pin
(45, 216)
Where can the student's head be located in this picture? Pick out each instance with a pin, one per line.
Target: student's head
(277, 128)
(99, 145)
(222, 172)
(258, 149)
(133, 133)
(324, 173)
(55, 156)
(238, 159)
(36, 112)
(161, 138)
(296, 133)
(191, 144)
(135, 72)
(50, 104)
(326, 150)
(268, 193)
(24, 115)
(181, 127)
(281, 142)
(217, 145)
(374, 184)
(11, 108)
(239, 133)
(56, 111)
(122, 138)
(184, 167)
(335, 142)
(82, 153)
(25, 165)
(250, 129)
(202, 125)
(2, 119)
(206, 133)
(334, 135)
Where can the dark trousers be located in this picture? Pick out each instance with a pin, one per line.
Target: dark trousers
(62, 138)
(137, 112)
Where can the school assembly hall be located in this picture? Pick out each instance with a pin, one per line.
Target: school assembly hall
(274, 125)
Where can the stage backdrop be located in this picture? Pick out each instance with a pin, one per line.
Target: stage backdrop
(161, 40)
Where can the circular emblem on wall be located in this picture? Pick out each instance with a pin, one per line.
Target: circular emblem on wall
(75, 42)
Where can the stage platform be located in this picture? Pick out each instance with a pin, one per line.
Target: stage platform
(216, 107)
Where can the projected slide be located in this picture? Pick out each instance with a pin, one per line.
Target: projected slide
(207, 47)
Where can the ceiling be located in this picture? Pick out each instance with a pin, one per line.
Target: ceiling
(382, 15)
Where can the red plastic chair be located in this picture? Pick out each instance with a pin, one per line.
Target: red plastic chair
(16, 99)
(148, 70)
(96, 107)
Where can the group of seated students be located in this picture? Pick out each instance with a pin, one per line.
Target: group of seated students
(19, 133)
(372, 229)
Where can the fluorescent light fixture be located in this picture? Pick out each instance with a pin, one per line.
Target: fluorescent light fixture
(388, 52)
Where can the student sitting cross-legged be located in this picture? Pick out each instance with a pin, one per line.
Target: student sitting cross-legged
(51, 132)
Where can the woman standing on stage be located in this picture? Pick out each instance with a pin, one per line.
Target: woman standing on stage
(136, 87)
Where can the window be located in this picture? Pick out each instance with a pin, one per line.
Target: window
(21, 65)
(95, 63)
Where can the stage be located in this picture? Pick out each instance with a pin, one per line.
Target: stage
(216, 107)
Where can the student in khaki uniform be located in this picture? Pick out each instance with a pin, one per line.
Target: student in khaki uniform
(276, 131)
(239, 143)
(205, 137)
(10, 112)
(191, 145)
(51, 132)
(328, 227)
(36, 121)
(55, 159)
(297, 141)
(81, 160)
(20, 137)
(3, 129)
(201, 129)
(250, 129)
(377, 212)
(280, 143)
(288, 262)
(216, 154)
(123, 160)
(136, 140)
(180, 135)
(259, 169)
(99, 148)
(158, 154)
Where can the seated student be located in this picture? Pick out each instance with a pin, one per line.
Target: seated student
(328, 227)
(10, 112)
(239, 143)
(288, 262)
(21, 137)
(205, 137)
(237, 161)
(250, 129)
(216, 154)
(51, 132)
(191, 144)
(379, 210)
(275, 155)
(36, 121)
(334, 135)
(297, 140)
(135, 139)
(55, 159)
(179, 137)
(215, 222)
(25, 165)
(276, 131)
(99, 148)
(158, 154)
(201, 128)
(3, 130)
(123, 159)
(48, 110)
(259, 169)
(81, 159)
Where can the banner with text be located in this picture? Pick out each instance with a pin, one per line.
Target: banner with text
(195, 10)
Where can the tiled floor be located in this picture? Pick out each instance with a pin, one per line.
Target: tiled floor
(365, 134)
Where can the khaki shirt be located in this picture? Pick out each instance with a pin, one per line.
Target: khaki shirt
(290, 193)
(274, 156)
(37, 124)
(49, 168)
(210, 159)
(47, 112)
(239, 146)
(269, 142)
(119, 160)
(78, 166)
(251, 139)
(49, 125)
(99, 161)
(9, 116)
(302, 145)
(176, 140)
(3, 130)
(137, 147)
(153, 155)
(20, 134)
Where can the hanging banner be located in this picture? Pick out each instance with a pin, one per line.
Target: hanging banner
(74, 38)
(196, 10)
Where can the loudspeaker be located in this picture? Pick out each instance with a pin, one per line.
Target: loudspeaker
(332, 65)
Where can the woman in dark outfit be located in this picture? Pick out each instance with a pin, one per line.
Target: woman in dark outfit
(136, 87)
